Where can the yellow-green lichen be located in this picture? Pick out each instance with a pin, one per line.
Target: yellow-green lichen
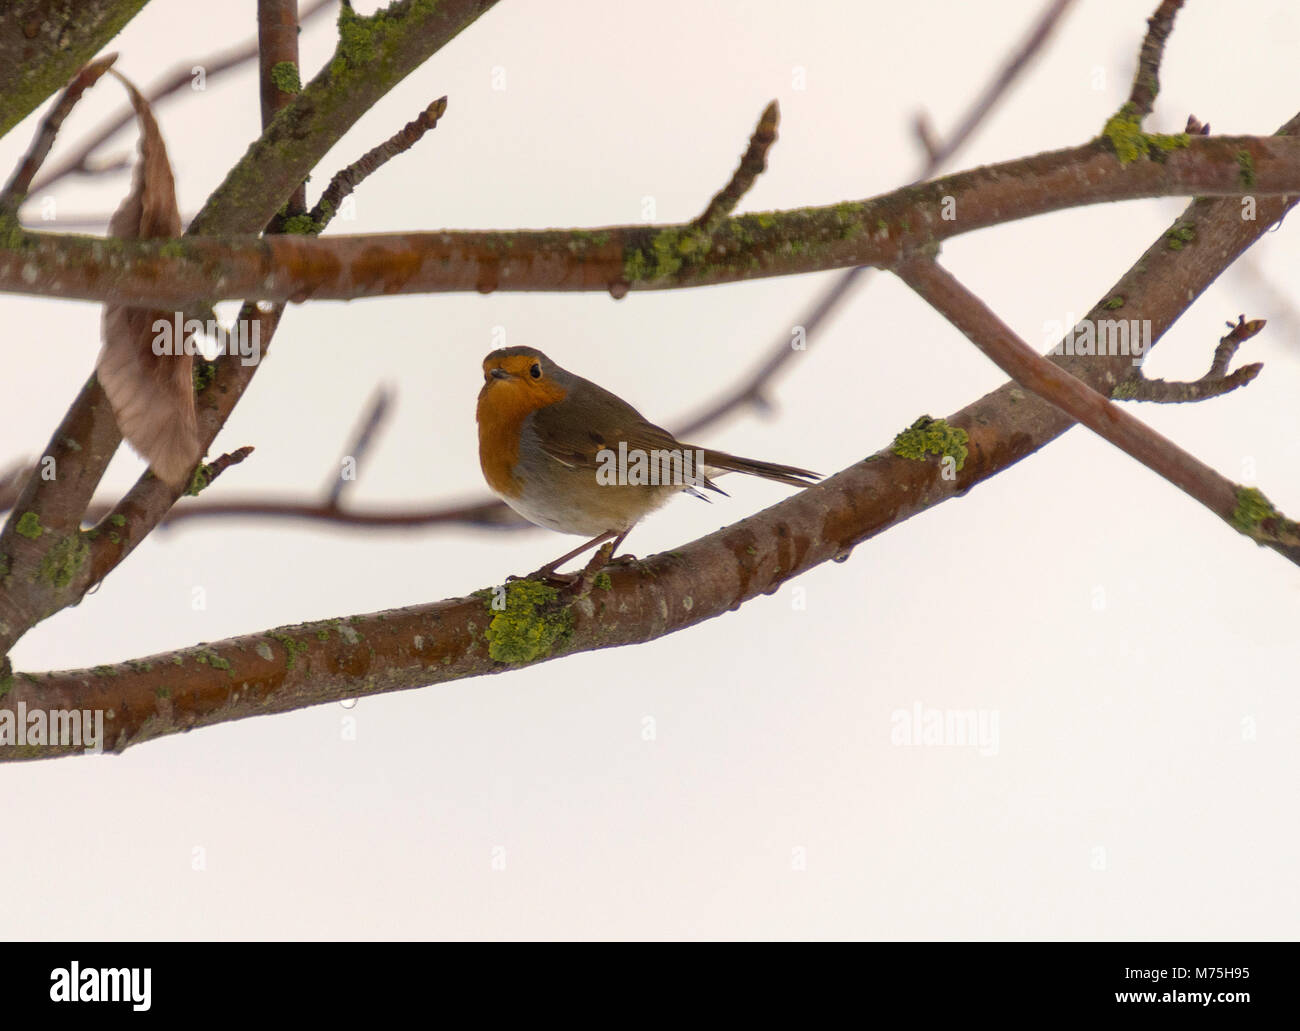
(1252, 509)
(62, 561)
(530, 625)
(604, 582)
(1124, 131)
(199, 481)
(1124, 390)
(1114, 303)
(302, 225)
(1246, 168)
(364, 39)
(929, 436)
(208, 657)
(1180, 236)
(291, 646)
(29, 526)
(665, 254)
(204, 372)
(285, 76)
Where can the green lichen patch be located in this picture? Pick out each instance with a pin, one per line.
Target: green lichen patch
(199, 481)
(285, 76)
(208, 657)
(1252, 509)
(1246, 168)
(1124, 131)
(530, 625)
(64, 559)
(302, 225)
(1114, 303)
(29, 526)
(1124, 390)
(365, 39)
(204, 373)
(1180, 236)
(291, 646)
(668, 249)
(929, 436)
(604, 582)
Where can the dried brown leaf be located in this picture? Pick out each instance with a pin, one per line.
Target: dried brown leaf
(152, 394)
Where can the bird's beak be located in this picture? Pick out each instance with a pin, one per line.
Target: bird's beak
(500, 374)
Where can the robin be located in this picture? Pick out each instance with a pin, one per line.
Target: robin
(569, 455)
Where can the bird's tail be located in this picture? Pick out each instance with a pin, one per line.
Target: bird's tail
(787, 474)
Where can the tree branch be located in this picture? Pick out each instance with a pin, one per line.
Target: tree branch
(1146, 82)
(331, 660)
(753, 163)
(44, 43)
(937, 154)
(49, 571)
(1085, 405)
(214, 65)
(1216, 382)
(872, 232)
(374, 54)
(16, 190)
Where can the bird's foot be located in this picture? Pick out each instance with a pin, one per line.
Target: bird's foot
(545, 575)
(635, 563)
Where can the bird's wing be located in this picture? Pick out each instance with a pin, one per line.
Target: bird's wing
(605, 421)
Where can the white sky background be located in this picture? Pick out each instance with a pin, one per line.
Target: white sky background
(1120, 728)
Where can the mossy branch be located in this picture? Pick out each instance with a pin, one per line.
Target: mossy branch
(876, 232)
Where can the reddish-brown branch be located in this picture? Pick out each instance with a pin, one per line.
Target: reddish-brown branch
(21, 181)
(752, 164)
(1216, 382)
(873, 232)
(277, 43)
(1146, 82)
(1080, 401)
(308, 664)
(82, 160)
(88, 436)
(937, 153)
(347, 180)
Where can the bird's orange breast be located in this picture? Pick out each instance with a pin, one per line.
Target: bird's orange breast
(503, 405)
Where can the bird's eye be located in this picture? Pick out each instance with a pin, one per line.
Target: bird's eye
(536, 370)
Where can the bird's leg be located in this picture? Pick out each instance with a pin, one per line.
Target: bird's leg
(598, 562)
(548, 571)
(602, 557)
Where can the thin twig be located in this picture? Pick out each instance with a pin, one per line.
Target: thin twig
(360, 444)
(1081, 402)
(984, 104)
(277, 43)
(752, 390)
(347, 180)
(1216, 382)
(20, 183)
(81, 160)
(1146, 82)
(753, 163)
(209, 471)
